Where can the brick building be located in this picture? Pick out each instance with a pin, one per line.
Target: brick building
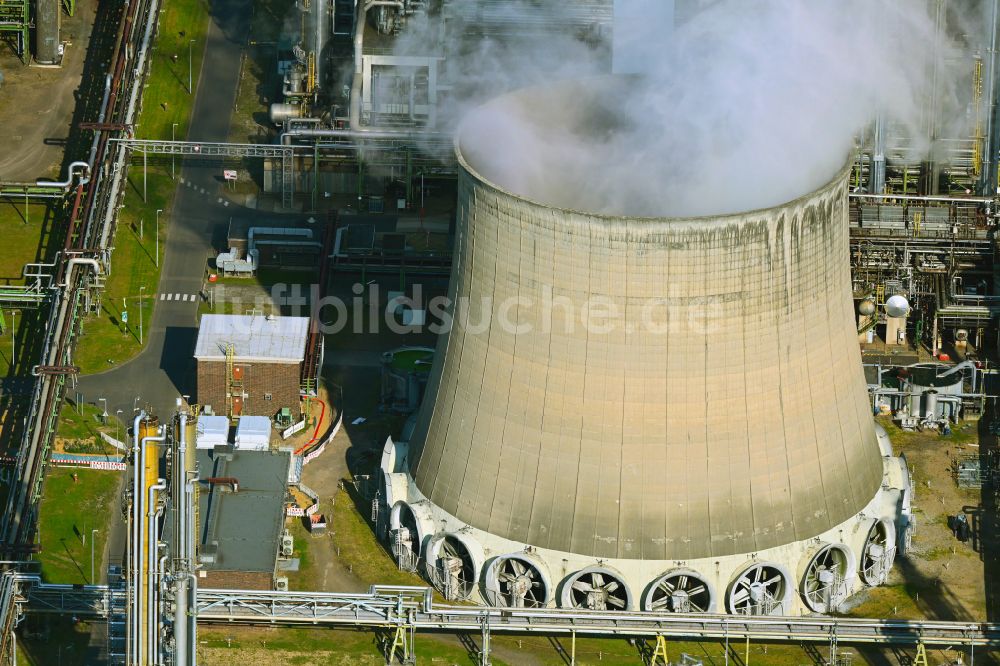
(241, 515)
(250, 364)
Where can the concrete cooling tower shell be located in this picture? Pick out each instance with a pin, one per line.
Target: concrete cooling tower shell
(666, 414)
(714, 405)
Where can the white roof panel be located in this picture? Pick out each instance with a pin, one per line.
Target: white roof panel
(212, 431)
(253, 432)
(254, 338)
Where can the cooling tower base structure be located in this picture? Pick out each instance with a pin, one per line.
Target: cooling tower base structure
(815, 575)
(631, 412)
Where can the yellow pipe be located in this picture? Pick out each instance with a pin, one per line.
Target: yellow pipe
(148, 427)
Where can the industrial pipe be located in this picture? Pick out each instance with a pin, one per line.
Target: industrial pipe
(84, 179)
(915, 197)
(161, 570)
(136, 492)
(79, 261)
(989, 163)
(151, 514)
(960, 366)
(185, 636)
(137, 543)
(180, 472)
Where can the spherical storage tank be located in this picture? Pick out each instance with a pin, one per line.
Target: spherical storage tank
(663, 413)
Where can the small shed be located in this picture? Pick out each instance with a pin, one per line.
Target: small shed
(253, 433)
(211, 431)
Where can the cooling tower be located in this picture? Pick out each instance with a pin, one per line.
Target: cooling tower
(667, 413)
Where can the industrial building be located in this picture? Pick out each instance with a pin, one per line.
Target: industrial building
(251, 364)
(241, 516)
(735, 468)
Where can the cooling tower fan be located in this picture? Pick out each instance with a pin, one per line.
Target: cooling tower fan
(680, 591)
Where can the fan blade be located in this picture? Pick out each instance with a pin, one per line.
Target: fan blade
(518, 567)
(581, 586)
(616, 602)
(596, 579)
(696, 590)
(611, 586)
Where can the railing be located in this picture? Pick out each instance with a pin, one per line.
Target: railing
(415, 607)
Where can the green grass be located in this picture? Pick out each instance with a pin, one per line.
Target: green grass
(69, 511)
(22, 236)
(339, 647)
(133, 264)
(307, 573)
(360, 551)
(85, 422)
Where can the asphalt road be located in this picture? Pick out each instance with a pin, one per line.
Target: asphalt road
(164, 370)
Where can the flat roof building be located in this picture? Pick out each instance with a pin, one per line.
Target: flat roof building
(241, 515)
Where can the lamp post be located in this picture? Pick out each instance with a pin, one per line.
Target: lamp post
(173, 158)
(190, 79)
(140, 313)
(92, 533)
(13, 341)
(118, 425)
(158, 211)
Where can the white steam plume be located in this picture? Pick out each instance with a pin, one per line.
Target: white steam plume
(748, 104)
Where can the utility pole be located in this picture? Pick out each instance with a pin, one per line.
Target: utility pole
(158, 211)
(173, 158)
(140, 313)
(13, 341)
(92, 533)
(190, 78)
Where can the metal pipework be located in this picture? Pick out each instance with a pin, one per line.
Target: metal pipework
(133, 643)
(80, 261)
(137, 545)
(185, 636)
(70, 172)
(989, 163)
(151, 515)
(914, 197)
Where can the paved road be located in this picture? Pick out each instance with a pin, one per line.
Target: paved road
(165, 370)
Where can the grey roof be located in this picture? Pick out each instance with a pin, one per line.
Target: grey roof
(255, 338)
(244, 526)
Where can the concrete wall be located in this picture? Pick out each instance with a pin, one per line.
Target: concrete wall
(281, 380)
(728, 417)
